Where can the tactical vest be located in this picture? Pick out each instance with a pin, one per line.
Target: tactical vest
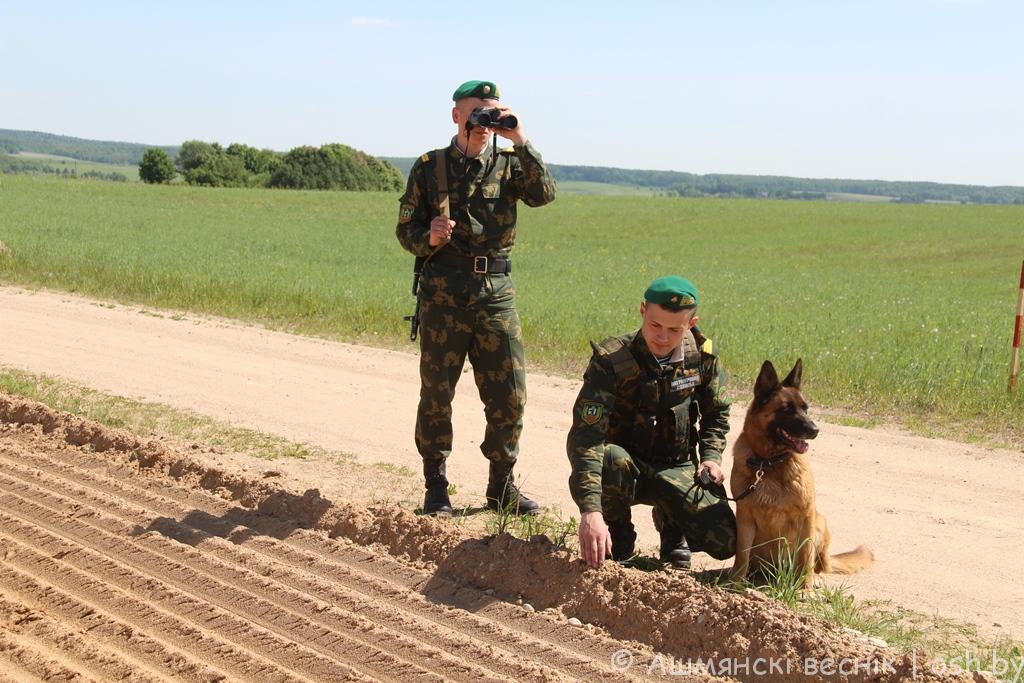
(654, 415)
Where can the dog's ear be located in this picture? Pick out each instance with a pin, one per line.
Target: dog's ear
(795, 375)
(767, 381)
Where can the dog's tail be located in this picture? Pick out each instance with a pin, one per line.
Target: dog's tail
(852, 561)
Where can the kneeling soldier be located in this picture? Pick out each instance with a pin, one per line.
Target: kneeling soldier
(635, 435)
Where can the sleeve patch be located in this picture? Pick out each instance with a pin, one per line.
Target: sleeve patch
(707, 347)
(405, 215)
(591, 412)
(425, 158)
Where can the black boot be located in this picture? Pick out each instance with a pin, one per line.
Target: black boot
(436, 501)
(623, 537)
(674, 549)
(503, 494)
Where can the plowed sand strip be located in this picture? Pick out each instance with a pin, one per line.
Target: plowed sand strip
(43, 634)
(32, 671)
(39, 659)
(204, 598)
(12, 674)
(100, 625)
(370, 621)
(124, 635)
(32, 553)
(284, 610)
(305, 560)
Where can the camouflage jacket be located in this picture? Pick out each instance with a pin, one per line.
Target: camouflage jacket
(482, 192)
(652, 410)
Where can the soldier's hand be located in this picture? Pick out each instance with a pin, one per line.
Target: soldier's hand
(440, 230)
(717, 475)
(595, 539)
(516, 136)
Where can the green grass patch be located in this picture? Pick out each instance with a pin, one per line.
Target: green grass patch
(154, 418)
(562, 533)
(391, 468)
(899, 311)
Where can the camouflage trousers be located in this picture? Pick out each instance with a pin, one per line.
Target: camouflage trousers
(707, 522)
(490, 334)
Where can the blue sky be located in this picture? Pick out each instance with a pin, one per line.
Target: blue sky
(896, 90)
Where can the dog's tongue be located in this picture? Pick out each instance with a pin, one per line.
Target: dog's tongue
(801, 445)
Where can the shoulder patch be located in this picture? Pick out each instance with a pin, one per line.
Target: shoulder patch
(591, 412)
(707, 347)
(425, 158)
(405, 215)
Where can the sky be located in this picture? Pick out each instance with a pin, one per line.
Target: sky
(892, 90)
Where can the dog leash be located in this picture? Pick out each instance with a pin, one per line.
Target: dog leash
(759, 465)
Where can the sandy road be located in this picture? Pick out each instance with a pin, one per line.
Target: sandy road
(941, 516)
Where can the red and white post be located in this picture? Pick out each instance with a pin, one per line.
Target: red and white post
(1015, 361)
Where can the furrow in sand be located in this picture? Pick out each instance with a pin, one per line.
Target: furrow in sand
(13, 674)
(25, 656)
(46, 636)
(372, 620)
(53, 571)
(121, 635)
(334, 571)
(310, 648)
(257, 575)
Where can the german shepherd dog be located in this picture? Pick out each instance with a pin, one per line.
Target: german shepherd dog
(771, 479)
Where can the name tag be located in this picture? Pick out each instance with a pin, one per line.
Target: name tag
(687, 381)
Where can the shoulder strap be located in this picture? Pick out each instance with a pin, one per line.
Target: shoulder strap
(624, 364)
(691, 352)
(441, 171)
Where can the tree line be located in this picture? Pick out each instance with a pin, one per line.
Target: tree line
(785, 187)
(329, 167)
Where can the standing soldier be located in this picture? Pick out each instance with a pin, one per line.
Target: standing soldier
(458, 215)
(634, 437)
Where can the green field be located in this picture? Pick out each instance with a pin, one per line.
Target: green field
(78, 166)
(899, 311)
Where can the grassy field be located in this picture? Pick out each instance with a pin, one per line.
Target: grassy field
(80, 167)
(898, 311)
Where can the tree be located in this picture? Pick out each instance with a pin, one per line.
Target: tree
(156, 166)
(334, 167)
(194, 153)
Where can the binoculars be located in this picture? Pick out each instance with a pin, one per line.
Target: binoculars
(491, 117)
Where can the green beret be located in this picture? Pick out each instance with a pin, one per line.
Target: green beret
(485, 90)
(672, 290)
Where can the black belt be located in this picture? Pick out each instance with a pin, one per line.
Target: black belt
(476, 264)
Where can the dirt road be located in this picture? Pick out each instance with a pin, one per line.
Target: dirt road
(942, 517)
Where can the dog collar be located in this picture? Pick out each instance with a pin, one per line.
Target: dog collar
(756, 463)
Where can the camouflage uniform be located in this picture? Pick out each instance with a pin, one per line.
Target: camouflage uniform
(634, 437)
(463, 313)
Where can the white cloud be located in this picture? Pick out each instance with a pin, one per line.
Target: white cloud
(370, 22)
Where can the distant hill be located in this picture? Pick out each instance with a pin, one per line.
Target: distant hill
(584, 179)
(107, 152)
(770, 187)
